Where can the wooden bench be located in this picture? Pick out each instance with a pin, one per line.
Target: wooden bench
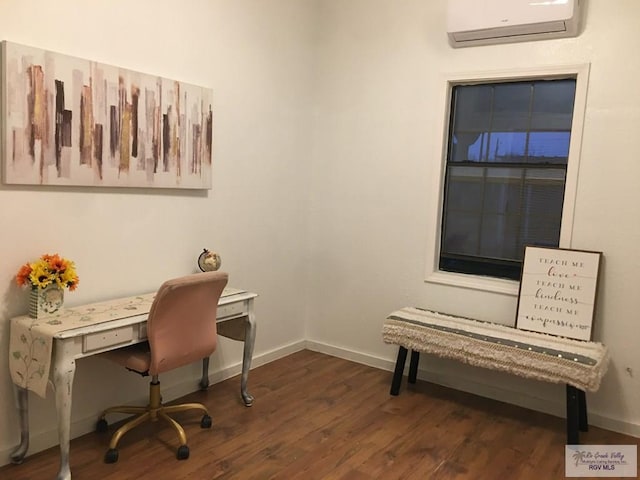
(578, 364)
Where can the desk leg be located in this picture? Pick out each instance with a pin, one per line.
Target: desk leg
(249, 342)
(204, 381)
(22, 405)
(64, 370)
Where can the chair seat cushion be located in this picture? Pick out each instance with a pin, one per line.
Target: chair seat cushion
(135, 357)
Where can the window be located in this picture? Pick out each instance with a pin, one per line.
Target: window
(507, 176)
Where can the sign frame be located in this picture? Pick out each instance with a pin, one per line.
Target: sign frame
(558, 289)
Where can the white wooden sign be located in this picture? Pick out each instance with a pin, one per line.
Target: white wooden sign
(558, 291)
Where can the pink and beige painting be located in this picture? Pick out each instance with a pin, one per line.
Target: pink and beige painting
(69, 121)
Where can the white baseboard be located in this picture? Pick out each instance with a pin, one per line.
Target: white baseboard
(467, 384)
(43, 440)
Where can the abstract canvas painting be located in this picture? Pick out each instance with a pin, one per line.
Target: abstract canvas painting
(69, 121)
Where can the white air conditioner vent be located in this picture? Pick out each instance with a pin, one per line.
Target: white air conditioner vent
(485, 22)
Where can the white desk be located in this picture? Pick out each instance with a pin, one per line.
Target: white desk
(235, 319)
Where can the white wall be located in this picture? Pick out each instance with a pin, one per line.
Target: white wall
(255, 55)
(380, 65)
(326, 114)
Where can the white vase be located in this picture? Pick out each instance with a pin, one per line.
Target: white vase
(45, 301)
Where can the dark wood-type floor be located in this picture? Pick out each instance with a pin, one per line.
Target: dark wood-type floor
(321, 417)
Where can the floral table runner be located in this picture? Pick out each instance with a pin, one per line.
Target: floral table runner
(31, 339)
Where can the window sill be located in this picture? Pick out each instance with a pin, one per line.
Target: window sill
(475, 282)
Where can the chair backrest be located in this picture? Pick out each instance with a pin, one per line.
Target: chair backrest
(182, 321)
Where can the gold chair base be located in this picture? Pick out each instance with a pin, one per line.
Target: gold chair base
(153, 412)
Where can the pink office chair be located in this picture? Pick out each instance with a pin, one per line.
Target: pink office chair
(181, 329)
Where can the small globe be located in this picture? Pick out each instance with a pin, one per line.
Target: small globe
(209, 261)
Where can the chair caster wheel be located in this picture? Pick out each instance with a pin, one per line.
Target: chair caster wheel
(102, 426)
(183, 452)
(206, 421)
(111, 456)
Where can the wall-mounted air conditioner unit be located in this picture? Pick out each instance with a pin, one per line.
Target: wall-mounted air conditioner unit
(484, 22)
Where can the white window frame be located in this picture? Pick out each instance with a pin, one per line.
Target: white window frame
(504, 286)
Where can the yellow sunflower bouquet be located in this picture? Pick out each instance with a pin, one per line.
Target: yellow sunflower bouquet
(47, 270)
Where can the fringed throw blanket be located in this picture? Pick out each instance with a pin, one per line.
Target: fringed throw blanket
(499, 347)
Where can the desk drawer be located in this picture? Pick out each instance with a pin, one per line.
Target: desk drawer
(110, 338)
(231, 310)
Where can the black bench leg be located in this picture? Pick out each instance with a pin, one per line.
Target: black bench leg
(413, 366)
(573, 415)
(583, 422)
(399, 370)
